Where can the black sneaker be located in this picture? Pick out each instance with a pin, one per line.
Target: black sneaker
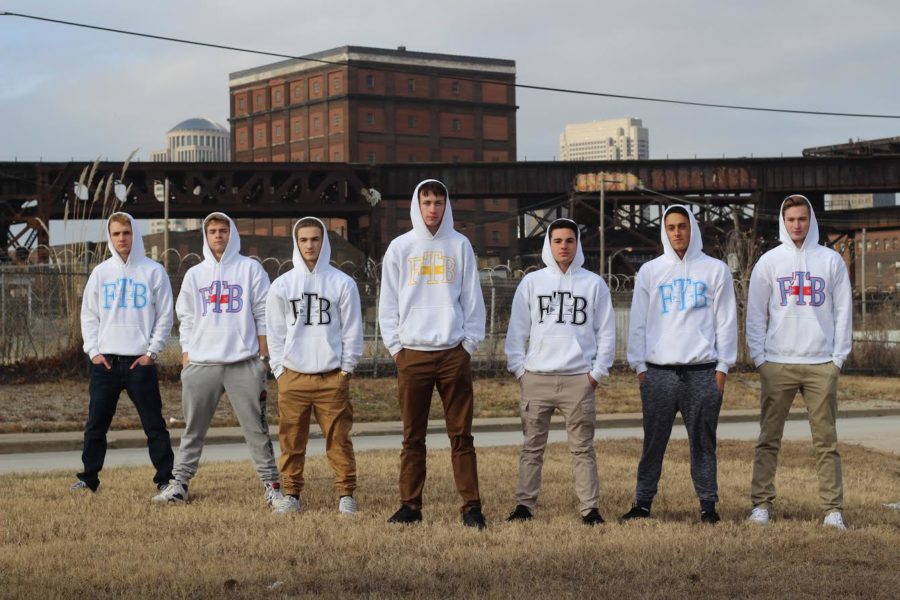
(474, 518)
(521, 513)
(406, 516)
(710, 517)
(636, 512)
(592, 518)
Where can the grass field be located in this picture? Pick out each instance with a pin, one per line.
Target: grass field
(224, 543)
(62, 405)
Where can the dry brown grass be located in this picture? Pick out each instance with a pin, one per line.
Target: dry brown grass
(55, 543)
(62, 405)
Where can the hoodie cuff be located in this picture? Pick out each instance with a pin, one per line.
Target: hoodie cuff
(759, 360)
(395, 349)
(93, 352)
(722, 366)
(518, 372)
(470, 346)
(599, 373)
(348, 367)
(277, 370)
(640, 367)
(838, 362)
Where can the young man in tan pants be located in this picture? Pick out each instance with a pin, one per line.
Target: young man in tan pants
(799, 327)
(314, 327)
(564, 314)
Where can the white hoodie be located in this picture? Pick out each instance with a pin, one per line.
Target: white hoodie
(683, 310)
(313, 317)
(566, 318)
(799, 307)
(222, 304)
(127, 306)
(430, 289)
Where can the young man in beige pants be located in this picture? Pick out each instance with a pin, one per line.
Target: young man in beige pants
(315, 339)
(564, 314)
(799, 326)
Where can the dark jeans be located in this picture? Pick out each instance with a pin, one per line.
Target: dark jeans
(142, 386)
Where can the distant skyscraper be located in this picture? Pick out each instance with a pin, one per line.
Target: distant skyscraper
(613, 139)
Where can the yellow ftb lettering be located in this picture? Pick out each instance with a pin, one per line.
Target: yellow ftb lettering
(432, 267)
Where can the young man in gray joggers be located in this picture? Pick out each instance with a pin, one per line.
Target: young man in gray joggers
(682, 340)
(222, 313)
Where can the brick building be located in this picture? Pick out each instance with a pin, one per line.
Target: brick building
(370, 105)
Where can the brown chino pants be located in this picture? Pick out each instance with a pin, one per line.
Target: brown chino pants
(328, 396)
(418, 372)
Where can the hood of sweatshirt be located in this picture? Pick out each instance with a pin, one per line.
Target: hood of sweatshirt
(547, 253)
(695, 246)
(415, 215)
(812, 236)
(137, 241)
(324, 259)
(232, 249)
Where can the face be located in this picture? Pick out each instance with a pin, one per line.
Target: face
(309, 241)
(678, 230)
(432, 207)
(563, 244)
(796, 220)
(121, 237)
(217, 234)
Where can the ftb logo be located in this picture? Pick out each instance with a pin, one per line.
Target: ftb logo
(124, 293)
(308, 305)
(220, 294)
(562, 307)
(684, 293)
(808, 289)
(432, 267)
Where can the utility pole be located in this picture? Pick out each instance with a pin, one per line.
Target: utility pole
(166, 225)
(864, 277)
(602, 222)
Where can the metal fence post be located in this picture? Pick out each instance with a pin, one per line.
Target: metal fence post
(375, 340)
(493, 311)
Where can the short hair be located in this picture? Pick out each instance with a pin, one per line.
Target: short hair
(310, 222)
(677, 210)
(796, 200)
(564, 224)
(215, 218)
(435, 187)
(121, 219)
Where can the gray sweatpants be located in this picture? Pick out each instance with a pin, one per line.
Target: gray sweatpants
(663, 394)
(201, 388)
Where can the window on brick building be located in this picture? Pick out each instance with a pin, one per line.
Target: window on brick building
(259, 135)
(259, 101)
(454, 88)
(456, 125)
(317, 123)
(495, 236)
(278, 131)
(242, 138)
(412, 122)
(336, 84)
(297, 92)
(370, 118)
(241, 104)
(297, 128)
(337, 120)
(370, 82)
(411, 158)
(337, 156)
(277, 95)
(370, 156)
(410, 85)
(316, 87)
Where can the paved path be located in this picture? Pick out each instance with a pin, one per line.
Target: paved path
(880, 432)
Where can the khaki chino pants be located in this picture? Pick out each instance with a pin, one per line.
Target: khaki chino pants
(327, 395)
(779, 383)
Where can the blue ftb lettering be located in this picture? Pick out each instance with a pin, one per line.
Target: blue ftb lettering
(219, 294)
(683, 293)
(124, 293)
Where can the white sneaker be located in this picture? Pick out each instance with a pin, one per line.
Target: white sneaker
(759, 515)
(287, 505)
(173, 493)
(836, 520)
(273, 493)
(347, 506)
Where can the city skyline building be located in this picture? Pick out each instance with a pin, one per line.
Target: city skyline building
(611, 139)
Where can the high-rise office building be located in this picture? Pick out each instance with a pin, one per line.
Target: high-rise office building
(613, 139)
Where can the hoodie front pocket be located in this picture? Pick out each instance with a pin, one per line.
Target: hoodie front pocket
(559, 353)
(431, 326)
(224, 344)
(798, 336)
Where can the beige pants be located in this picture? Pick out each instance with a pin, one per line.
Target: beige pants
(573, 395)
(779, 384)
(328, 396)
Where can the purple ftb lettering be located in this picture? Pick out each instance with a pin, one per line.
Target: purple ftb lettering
(808, 290)
(220, 294)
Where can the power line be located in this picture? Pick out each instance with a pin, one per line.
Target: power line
(542, 88)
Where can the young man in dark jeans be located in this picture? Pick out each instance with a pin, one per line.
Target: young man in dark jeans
(126, 316)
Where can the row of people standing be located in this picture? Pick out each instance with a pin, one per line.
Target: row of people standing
(560, 342)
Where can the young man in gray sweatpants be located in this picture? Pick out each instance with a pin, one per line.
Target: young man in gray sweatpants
(682, 340)
(222, 313)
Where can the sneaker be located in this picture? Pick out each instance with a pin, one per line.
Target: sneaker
(759, 516)
(81, 486)
(521, 513)
(710, 517)
(636, 512)
(287, 505)
(347, 506)
(273, 493)
(592, 518)
(836, 520)
(173, 493)
(474, 518)
(406, 515)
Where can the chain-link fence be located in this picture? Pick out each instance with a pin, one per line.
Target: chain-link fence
(40, 305)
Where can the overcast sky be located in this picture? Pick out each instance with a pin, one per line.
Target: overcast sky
(74, 93)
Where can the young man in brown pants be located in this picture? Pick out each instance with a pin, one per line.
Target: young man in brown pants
(315, 339)
(431, 315)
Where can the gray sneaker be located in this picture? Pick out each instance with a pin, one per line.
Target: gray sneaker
(347, 506)
(80, 486)
(174, 493)
(273, 493)
(287, 505)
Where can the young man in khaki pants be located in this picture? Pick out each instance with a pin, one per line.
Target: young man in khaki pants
(799, 326)
(315, 339)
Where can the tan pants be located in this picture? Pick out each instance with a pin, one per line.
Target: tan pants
(573, 395)
(779, 384)
(328, 396)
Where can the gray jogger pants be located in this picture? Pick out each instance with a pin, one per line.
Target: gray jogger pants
(693, 392)
(201, 388)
